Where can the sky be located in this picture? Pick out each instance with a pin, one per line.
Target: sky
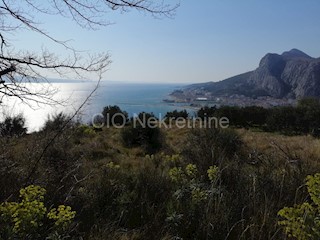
(207, 40)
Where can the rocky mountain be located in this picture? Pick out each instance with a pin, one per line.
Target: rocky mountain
(292, 74)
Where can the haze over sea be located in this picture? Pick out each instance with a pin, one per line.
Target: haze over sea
(131, 97)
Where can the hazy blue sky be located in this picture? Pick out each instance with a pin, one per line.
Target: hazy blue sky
(208, 40)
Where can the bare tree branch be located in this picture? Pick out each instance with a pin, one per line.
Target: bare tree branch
(17, 68)
(7, 70)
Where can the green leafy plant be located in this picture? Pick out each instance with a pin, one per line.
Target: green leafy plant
(213, 173)
(26, 216)
(190, 198)
(62, 216)
(27, 219)
(303, 221)
(86, 130)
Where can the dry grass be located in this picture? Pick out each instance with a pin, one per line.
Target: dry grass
(106, 146)
(301, 149)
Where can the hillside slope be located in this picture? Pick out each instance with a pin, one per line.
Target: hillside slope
(292, 74)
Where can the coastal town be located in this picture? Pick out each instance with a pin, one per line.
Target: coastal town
(200, 97)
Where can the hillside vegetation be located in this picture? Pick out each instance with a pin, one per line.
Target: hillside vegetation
(188, 184)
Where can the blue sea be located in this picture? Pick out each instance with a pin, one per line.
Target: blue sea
(135, 98)
(130, 97)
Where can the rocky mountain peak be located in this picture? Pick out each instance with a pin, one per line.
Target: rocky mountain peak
(295, 53)
(293, 74)
(273, 64)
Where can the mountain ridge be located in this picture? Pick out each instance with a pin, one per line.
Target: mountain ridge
(293, 74)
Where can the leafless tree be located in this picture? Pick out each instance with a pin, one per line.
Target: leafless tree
(19, 67)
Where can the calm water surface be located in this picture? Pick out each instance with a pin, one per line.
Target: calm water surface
(131, 97)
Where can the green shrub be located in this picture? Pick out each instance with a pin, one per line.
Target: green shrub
(113, 115)
(302, 221)
(30, 219)
(85, 130)
(206, 112)
(147, 136)
(13, 126)
(207, 147)
(190, 209)
(130, 198)
(302, 119)
(251, 116)
(57, 122)
(177, 114)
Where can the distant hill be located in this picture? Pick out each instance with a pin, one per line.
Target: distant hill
(293, 74)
